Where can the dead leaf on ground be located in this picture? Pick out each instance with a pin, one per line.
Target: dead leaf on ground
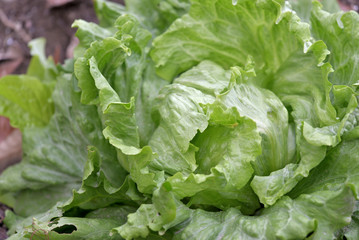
(10, 59)
(71, 47)
(10, 143)
(5, 128)
(10, 149)
(7, 67)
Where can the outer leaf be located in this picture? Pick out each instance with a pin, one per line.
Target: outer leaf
(147, 218)
(56, 154)
(122, 131)
(157, 15)
(135, 78)
(323, 203)
(339, 168)
(340, 32)
(303, 8)
(21, 226)
(313, 84)
(118, 213)
(80, 228)
(26, 101)
(109, 49)
(27, 201)
(352, 231)
(89, 32)
(288, 219)
(136, 225)
(41, 67)
(97, 191)
(260, 29)
(107, 12)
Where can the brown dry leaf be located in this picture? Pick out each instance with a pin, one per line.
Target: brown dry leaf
(9, 66)
(10, 144)
(5, 128)
(71, 47)
(10, 59)
(10, 149)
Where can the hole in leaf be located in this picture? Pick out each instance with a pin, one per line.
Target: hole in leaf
(65, 229)
(53, 221)
(76, 212)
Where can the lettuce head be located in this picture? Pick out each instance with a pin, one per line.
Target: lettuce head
(191, 119)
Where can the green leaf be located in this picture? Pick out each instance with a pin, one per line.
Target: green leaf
(122, 130)
(316, 124)
(256, 105)
(352, 231)
(303, 8)
(19, 226)
(287, 219)
(41, 67)
(317, 200)
(224, 162)
(339, 168)
(73, 228)
(88, 32)
(227, 34)
(339, 31)
(26, 101)
(118, 213)
(107, 12)
(27, 201)
(280, 41)
(270, 116)
(331, 6)
(129, 50)
(97, 191)
(136, 225)
(56, 154)
(148, 218)
(157, 15)
(109, 49)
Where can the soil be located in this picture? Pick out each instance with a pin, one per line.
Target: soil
(3, 208)
(23, 20)
(349, 4)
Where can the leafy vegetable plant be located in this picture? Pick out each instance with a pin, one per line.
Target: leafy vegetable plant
(195, 119)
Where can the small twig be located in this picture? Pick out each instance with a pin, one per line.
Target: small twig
(14, 26)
